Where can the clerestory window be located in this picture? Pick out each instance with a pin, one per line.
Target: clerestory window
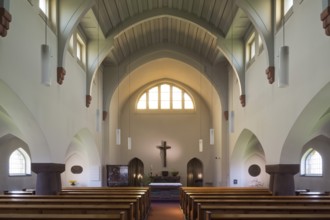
(165, 96)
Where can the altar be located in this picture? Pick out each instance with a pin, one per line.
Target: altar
(165, 191)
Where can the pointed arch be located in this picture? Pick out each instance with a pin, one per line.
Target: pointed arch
(135, 172)
(195, 172)
(311, 163)
(248, 151)
(19, 163)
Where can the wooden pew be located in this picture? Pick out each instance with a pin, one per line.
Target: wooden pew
(265, 209)
(273, 201)
(214, 216)
(119, 216)
(70, 200)
(186, 204)
(123, 191)
(68, 209)
(79, 188)
(259, 202)
(242, 196)
(187, 192)
(83, 199)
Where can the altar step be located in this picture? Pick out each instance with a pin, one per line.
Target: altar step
(165, 211)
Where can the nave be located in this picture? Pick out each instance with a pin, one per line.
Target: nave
(135, 203)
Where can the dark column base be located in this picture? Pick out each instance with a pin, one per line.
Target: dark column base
(282, 178)
(48, 178)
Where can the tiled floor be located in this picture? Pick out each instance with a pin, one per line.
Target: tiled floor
(165, 211)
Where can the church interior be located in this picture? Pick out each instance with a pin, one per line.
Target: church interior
(97, 93)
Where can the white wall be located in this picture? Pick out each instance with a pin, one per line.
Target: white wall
(55, 113)
(271, 112)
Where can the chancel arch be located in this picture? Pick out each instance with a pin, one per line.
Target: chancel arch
(181, 130)
(135, 172)
(195, 172)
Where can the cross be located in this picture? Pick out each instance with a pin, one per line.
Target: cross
(163, 149)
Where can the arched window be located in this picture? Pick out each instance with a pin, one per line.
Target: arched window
(311, 163)
(165, 97)
(19, 163)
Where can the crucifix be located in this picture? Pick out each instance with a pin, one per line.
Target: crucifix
(163, 148)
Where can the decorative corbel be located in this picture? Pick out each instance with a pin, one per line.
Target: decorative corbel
(270, 72)
(226, 114)
(5, 19)
(242, 99)
(60, 75)
(88, 100)
(325, 18)
(105, 115)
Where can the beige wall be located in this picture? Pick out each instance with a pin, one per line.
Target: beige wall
(180, 130)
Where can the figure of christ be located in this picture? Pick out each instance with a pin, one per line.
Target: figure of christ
(163, 148)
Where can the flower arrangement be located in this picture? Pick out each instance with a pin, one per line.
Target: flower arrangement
(72, 182)
(174, 173)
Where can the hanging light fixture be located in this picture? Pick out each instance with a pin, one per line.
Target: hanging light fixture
(212, 129)
(98, 112)
(211, 136)
(231, 112)
(200, 142)
(129, 139)
(118, 131)
(118, 136)
(231, 121)
(200, 145)
(283, 78)
(45, 56)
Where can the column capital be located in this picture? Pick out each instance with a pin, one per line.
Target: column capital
(283, 168)
(282, 178)
(48, 177)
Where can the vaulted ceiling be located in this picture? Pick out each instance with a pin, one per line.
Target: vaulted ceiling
(192, 25)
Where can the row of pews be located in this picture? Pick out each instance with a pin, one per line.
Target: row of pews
(217, 203)
(93, 203)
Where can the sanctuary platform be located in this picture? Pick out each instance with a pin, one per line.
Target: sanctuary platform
(165, 191)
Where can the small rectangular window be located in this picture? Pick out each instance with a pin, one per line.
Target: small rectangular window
(80, 49)
(287, 5)
(71, 46)
(252, 47)
(43, 5)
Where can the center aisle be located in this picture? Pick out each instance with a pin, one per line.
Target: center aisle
(165, 211)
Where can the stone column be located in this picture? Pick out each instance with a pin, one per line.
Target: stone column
(282, 178)
(48, 178)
